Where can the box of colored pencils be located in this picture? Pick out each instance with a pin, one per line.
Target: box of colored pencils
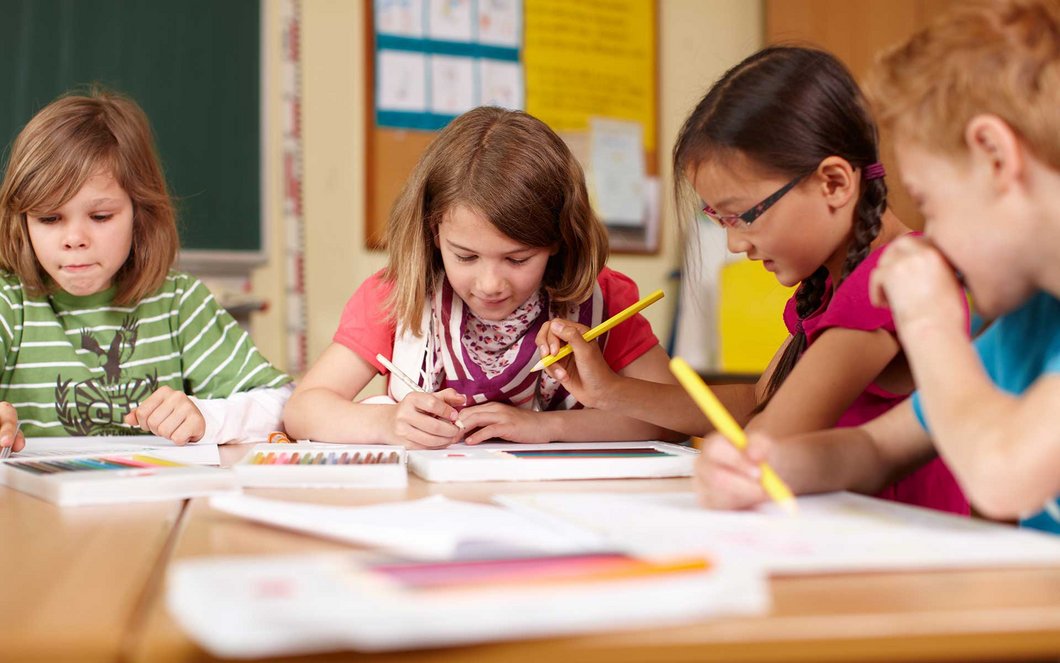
(113, 478)
(321, 465)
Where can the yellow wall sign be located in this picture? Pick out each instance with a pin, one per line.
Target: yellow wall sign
(751, 317)
(591, 59)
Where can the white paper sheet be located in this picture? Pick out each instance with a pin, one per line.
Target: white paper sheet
(251, 607)
(160, 447)
(833, 532)
(399, 17)
(501, 84)
(450, 20)
(402, 82)
(500, 22)
(430, 528)
(617, 171)
(452, 84)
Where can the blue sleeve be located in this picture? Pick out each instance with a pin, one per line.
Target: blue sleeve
(986, 347)
(918, 410)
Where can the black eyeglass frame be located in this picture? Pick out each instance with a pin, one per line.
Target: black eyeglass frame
(748, 217)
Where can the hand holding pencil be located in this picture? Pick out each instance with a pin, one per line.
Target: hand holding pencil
(586, 375)
(735, 476)
(422, 419)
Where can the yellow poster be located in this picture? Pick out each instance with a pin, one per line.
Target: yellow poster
(591, 58)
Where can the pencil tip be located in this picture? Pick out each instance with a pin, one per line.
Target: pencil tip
(538, 366)
(789, 506)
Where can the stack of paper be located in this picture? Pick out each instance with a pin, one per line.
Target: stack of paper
(255, 607)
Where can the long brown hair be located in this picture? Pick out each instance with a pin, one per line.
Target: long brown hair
(786, 109)
(516, 172)
(67, 142)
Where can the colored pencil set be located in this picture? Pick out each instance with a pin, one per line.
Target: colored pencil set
(318, 465)
(112, 478)
(88, 464)
(325, 458)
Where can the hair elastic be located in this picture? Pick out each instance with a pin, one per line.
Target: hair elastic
(874, 171)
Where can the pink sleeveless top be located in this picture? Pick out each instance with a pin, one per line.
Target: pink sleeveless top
(932, 485)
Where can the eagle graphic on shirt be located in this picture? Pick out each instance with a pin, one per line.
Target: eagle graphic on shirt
(97, 406)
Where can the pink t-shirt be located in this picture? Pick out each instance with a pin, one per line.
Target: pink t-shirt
(932, 485)
(366, 329)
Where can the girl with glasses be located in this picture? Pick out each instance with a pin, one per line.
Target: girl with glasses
(784, 155)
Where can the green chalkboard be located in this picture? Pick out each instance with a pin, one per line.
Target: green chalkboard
(194, 66)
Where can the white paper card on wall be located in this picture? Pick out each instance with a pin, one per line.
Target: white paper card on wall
(403, 18)
(501, 84)
(450, 20)
(616, 153)
(452, 84)
(402, 82)
(500, 22)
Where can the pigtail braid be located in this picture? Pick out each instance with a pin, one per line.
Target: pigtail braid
(868, 218)
(808, 299)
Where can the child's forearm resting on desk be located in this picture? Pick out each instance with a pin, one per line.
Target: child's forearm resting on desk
(243, 417)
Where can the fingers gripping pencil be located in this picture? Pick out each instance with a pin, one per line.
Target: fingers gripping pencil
(727, 426)
(602, 328)
(409, 382)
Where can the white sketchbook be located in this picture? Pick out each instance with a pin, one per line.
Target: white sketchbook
(506, 461)
(254, 607)
(836, 532)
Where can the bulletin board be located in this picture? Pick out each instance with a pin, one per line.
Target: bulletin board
(588, 70)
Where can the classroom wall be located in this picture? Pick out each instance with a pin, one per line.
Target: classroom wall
(698, 40)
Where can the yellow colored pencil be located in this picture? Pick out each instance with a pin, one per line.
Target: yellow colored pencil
(602, 328)
(727, 426)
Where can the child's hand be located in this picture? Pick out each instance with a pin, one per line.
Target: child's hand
(584, 373)
(425, 420)
(506, 422)
(728, 478)
(170, 414)
(918, 284)
(10, 435)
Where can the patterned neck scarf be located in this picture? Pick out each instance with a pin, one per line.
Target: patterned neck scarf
(490, 360)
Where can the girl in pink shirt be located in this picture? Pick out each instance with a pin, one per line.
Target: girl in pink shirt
(783, 154)
(492, 236)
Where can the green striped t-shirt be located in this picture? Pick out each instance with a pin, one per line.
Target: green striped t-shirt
(77, 365)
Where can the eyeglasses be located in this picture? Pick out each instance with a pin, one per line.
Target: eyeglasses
(747, 218)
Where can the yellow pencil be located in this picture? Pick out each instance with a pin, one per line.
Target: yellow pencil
(727, 426)
(602, 328)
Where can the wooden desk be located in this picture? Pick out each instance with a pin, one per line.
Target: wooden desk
(955, 616)
(76, 579)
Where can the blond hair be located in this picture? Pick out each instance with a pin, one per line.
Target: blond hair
(67, 142)
(517, 173)
(1000, 57)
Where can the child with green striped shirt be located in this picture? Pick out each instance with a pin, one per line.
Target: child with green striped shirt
(98, 335)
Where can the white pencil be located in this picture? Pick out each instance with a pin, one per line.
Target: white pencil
(397, 372)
